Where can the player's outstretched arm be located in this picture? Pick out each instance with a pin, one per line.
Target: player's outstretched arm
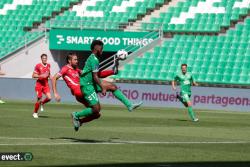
(195, 84)
(37, 76)
(54, 82)
(173, 85)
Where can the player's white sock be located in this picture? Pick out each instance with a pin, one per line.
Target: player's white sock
(35, 115)
(41, 108)
(196, 120)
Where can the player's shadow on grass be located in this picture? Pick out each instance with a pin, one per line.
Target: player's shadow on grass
(43, 116)
(75, 140)
(182, 120)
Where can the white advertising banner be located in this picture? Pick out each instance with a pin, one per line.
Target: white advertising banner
(229, 99)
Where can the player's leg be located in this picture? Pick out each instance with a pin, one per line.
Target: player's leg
(38, 101)
(93, 101)
(94, 107)
(1, 101)
(191, 112)
(187, 100)
(178, 96)
(120, 96)
(85, 115)
(47, 99)
(46, 92)
(114, 71)
(90, 118)
(79, 97)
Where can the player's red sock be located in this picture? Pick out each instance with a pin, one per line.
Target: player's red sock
(90, 118)
(105, 73)
(45, 101)
(37, 105)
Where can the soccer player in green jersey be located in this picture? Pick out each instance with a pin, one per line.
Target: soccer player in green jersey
(91, 84)
(186, 81)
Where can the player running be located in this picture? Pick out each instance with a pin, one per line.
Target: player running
(91, 84)
(186, 80)
(42, 74)
(71, 75)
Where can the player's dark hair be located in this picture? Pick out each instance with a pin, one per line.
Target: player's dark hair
(94, 43)
(184, 65)
(44, 55)
(69, 56)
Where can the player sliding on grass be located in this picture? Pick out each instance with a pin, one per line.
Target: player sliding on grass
(42, 74)
(91, 84)
(71, 75)
(186, 80)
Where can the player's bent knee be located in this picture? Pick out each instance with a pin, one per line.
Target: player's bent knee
(96, 109)
(39, 99)
(112, 87)
(189, 104)
(97, 115)
(48, 96)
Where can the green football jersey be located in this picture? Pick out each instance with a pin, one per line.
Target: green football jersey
(91, 65)
(186, 82)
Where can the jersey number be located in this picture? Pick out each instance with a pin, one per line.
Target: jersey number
(93, 96)
(186, 82)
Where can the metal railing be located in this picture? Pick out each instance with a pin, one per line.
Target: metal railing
(131, 48)
(103, 25)
(24, 41)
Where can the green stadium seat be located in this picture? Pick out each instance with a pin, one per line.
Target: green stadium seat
(211, 59)
(24, 16)
(202, 22)
(117, 18)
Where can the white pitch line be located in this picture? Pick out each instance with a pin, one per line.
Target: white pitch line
(23, 138)
(54, 144)
(125, 142)
(186, 142)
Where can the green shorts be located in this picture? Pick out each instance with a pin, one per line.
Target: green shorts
(185, 97)
(90, 94)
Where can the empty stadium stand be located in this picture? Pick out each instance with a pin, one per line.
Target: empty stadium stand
(102, 14)
(16, 15)
(211, 59)
(222, 58)
(199, 16)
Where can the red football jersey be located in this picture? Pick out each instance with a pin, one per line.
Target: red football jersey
(71, 76)
(42, 69)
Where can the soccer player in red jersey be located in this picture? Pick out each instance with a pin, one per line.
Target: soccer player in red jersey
(42, 74)
(71, 75)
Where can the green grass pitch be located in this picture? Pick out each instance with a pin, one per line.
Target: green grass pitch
(145, 137)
